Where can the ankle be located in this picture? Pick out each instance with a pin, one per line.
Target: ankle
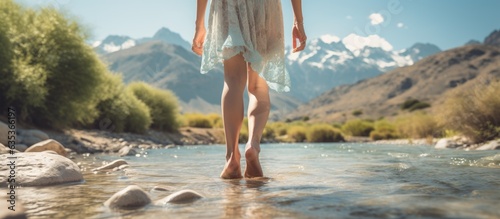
(255, 144)
(233, 156)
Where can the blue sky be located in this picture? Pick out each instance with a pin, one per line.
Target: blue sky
(446, 23)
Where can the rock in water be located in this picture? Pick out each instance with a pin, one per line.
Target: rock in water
(112, 165)
(127, 151)
(50, 144)
(447, 143)
(180, 197)
(40, 169)
(131, 197)
(492, 145)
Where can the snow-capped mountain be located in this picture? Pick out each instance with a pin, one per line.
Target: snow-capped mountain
(330, 61)
(116, 43)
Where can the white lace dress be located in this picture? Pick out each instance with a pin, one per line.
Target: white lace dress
(253, 28)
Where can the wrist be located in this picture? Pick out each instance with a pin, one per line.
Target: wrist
(298, 21)
(200, 24)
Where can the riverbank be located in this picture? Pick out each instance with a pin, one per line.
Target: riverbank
(100, 141)
(95, 141)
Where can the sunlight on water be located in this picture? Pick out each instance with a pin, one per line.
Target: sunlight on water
(303, 181)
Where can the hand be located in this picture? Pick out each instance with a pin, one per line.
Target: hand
(199, 40)
(298, 34)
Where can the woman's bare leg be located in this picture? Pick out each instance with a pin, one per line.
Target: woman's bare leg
(235, 78)
(258, 112)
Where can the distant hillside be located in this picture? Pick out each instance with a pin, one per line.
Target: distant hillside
(493, 39)
(428, 80)
(165, 60)
(114, 43)
(330, 61)
(173, 67)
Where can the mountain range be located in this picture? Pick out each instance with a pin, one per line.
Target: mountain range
(114, 43)
(165, 60)
(329, 61)
(429, 81)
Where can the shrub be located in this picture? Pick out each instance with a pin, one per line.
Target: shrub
(357, 113)
(197, 120)
(215, 120)
(419, 106)
(323, 133)
(376, 135)
(279, 128)
(162, 103)
(55, 78)
(474, 112)
(268, 133)
(418, 125)
(383, 129)
(113, 108)
(297, 133)
(138, 119)
(120, 110)
(358, 128)
(414, 104)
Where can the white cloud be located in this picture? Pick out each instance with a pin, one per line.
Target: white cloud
(348, 17)
(330, 39)
(357, 43)
(376, 18)
(400, 25)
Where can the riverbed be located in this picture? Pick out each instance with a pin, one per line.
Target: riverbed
(304, 180)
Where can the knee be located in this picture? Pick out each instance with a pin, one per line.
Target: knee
(255, 88)
(235, 80)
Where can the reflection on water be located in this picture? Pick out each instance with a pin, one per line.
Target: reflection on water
(304, 181)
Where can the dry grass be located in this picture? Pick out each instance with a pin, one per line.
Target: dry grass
(418, 125)
(474, 112)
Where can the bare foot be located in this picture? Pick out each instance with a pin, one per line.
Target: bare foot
(231, 169)
(253, 168)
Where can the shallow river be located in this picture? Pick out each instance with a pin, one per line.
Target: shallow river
(304, 181)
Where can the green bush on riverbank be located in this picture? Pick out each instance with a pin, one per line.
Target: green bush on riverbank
(120, 110)
(162, 104)
(54, 79)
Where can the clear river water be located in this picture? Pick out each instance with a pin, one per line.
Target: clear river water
(302, 181)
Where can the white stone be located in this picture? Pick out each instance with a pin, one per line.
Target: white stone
(112, 165)
(180, 197)
(50, 144)
(446, 143)
(492, 145)
(127, 151)
(131, 197)
(40, 169)
(3, 149)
